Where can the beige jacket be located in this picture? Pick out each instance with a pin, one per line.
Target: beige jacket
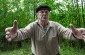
(45, 41)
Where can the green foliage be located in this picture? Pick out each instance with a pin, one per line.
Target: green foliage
(23, 11)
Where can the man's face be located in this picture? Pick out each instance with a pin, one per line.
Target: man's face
(43, 15)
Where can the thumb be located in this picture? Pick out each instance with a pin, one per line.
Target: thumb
(72, 28)
(15, 24)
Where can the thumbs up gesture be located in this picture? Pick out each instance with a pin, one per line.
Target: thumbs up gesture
(79, 33)
(11, 32)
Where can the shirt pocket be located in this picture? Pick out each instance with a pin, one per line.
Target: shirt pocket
(52, 33)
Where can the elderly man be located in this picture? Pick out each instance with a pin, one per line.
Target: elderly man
(44, 34)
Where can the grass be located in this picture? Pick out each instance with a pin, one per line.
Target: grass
(26, 50)
(71, 51)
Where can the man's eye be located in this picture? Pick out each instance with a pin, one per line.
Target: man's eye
(46, 11)
(81, 31)
(41, 11)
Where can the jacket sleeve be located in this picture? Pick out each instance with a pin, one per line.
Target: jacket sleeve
(24, 33)
(65, 32)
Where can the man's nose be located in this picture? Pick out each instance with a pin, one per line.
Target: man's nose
(44, 13)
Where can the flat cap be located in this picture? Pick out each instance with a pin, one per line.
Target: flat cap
(43, 7)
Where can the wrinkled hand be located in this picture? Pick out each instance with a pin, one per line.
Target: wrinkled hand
(79, 33)
(11, 32)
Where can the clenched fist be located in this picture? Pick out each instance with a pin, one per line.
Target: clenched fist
(11, 32)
